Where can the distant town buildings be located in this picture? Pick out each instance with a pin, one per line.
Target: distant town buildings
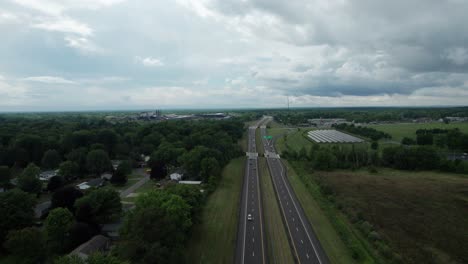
(157, 116)
(455, 119)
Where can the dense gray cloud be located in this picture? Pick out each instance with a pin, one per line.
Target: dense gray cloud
(134, 54)
(391, 46)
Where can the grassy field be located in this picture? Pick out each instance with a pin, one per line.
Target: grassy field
(279, 250)
(423, 215)
(322, 217)
(398, 131)
(214, 239)
(274, 124)
(294, 140)
(277, 132)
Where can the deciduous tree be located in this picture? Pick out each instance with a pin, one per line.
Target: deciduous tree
(66, 197)
(120, 175)
(57, 227)
(104, 204)
(68, 170)
(26, 245)
(29, 181)
(16, 211)
(155, 231)
(51, 159)
(4, 176)
(98, 161)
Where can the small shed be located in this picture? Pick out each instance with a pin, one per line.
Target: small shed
(95, 244)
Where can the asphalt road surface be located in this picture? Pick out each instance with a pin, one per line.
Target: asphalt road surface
(306, 247)
(251, 238)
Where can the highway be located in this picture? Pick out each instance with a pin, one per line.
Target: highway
(306, 247)
(250, 238)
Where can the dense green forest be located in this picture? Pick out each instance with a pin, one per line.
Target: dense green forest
(83, 147)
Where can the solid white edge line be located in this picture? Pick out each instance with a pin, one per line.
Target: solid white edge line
(305, 229)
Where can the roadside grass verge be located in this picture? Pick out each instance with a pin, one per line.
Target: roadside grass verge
(279, 250)
(243, 141)
(213, 240)
(340, 239)
(274, 124)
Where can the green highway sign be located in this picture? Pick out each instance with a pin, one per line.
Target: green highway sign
(267, 137)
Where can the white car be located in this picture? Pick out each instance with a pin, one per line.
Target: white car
(249, 217)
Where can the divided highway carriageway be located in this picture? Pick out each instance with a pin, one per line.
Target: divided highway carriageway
(304, 243)
(251, 246)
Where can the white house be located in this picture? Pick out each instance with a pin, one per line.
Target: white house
(98, 182)
(46, 175)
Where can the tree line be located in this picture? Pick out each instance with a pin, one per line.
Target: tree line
(356, 156)
(366, 114)
(367, 132)
(452, 139)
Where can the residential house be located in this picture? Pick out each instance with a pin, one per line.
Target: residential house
(98, 182)
(106, 176)
(42, 209)
(98, 243)
(46, 175)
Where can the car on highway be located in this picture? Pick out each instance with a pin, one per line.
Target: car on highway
(249, 217)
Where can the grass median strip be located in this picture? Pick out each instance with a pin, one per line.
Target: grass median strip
(258, 142)
(279, 250)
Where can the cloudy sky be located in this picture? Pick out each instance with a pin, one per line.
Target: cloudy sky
(135, 54)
